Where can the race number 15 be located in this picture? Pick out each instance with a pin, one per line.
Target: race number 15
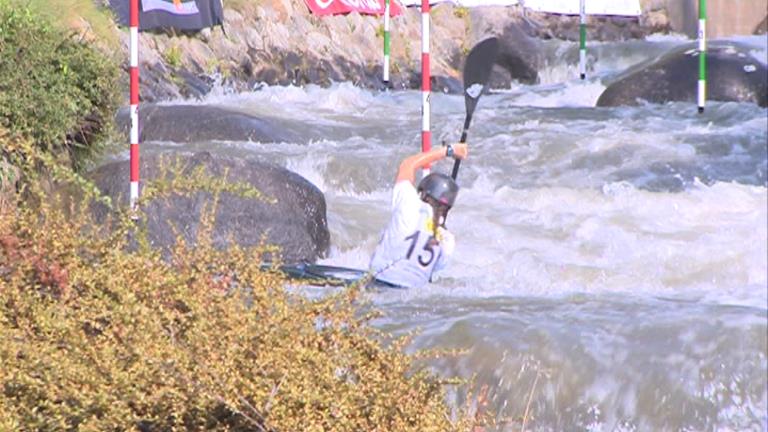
(426, 255)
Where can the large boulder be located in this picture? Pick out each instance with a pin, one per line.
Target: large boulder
(519, 57)
(732, 75)
(185, 123)
(292, 215)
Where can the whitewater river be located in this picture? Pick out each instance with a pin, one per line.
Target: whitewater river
(610, 272)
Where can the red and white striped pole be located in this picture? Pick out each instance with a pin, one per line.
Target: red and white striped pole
(426, 135)
(134, 72)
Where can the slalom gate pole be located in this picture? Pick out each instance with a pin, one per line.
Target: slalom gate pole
(582, 39)
(702, 96)
(386, 43)
(134, 101)
(426, 138)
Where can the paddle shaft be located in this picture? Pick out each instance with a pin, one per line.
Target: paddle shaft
(457, 162)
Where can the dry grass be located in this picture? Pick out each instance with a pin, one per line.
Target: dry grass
(85, 18)
(241, 5)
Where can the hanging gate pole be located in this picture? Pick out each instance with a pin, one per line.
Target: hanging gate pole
(702, 96)
(426, 138)
(386, 43)
(134, 101)
(582, 39)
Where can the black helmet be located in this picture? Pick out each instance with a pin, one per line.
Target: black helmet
(440, 187)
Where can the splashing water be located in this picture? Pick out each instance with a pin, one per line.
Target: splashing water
(615, 257)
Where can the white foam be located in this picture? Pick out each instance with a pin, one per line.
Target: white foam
(572, 94)
(554, 241)
(541, 212)
(758, 43)
(667, 37)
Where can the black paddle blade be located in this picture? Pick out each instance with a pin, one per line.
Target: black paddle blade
(477, 70)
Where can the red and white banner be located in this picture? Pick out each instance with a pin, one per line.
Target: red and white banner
(365, 7)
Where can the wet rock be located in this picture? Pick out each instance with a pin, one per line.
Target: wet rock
(440, 83)
(156, 84)
(321, 73)
(291, 66)
(267, 75)
(190, 123)
(518, 58)
(732, 75)
(294, 219)
(446, 84)
(160, 82)
(192, 86)
(247, 68)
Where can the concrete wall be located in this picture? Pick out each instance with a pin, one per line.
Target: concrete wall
(724, 17)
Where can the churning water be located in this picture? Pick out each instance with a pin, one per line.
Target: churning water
(611, 265)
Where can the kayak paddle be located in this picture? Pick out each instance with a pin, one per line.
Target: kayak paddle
(477, 70)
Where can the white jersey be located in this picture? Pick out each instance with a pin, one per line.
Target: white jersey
(407, 253)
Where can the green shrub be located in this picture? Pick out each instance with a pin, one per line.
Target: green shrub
(54, 89)
(99, 332)
(172, 56)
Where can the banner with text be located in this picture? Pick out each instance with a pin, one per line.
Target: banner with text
(365, 7)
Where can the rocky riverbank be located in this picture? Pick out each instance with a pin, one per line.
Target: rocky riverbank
(279, 42)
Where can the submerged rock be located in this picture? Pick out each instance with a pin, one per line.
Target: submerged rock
(293, 215)
(732, 75)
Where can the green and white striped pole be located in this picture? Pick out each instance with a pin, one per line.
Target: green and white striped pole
(582, 40)
(386, 42)
(702, 54)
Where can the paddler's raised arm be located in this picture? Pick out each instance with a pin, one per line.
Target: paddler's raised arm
(409, 165)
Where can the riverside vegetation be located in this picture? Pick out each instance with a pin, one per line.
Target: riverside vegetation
(98, 331)
(55, 89)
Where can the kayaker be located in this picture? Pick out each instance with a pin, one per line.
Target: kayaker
(416, 243)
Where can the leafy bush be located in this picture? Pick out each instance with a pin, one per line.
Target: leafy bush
(99, 332)
(54, 89)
